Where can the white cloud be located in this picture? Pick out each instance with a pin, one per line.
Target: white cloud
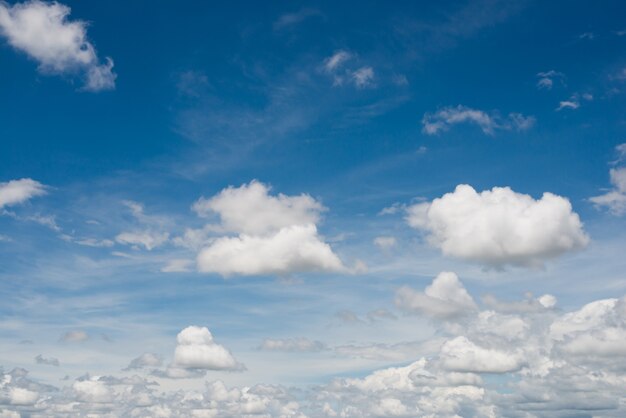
(615, 199)
(462, 355)
(499, 226)
(43, 32)
(292, 249)
(363, 77)
(250, 209)
(547, 79)
(197, 352)
(445, 298)
(568, 104)
(148, 239)
(276, 234)
(292, 345)
(19, 191)
(489, 123)
(335, 61)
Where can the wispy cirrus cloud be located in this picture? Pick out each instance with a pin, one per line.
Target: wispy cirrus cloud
(488, 122)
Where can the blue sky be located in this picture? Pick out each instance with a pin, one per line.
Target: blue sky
(314, 196)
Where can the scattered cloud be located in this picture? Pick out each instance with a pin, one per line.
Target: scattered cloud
(43, 32)
(15, 192)
(489, 123)
(499, 227)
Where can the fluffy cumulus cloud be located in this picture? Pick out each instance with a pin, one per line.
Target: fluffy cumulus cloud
(500, 361)
(444, 298)
(488, 122)
(275, 234)
(499, 227)
(196, 352)
(43, 31)
(19, 191)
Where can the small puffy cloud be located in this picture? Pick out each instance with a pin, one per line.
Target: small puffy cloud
(19, 191)
(546, 79)
(145, 360)
(568, 104)
(197, 352)
(43, 32)
(74, 336)
(22, 396)
(615, 199)
(50, 361)
(276, 234)
(148, 239)
(336, 66)
(445, 298)
(291, 345)
(385, 243)
(488, 122)
(499, 227)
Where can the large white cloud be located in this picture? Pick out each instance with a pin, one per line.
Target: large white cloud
(275, 234)
(444, 298)
(43, 32)
(19, 191)
(498, 227)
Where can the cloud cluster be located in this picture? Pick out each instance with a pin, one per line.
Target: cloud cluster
(15, 192)
(548, 364)
(42, 31)
(488, 122)
(499, 227)
(275, 234)
(544, 362)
